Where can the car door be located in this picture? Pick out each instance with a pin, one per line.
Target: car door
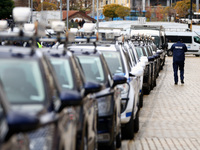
(133, 81)
(196, 43)
(188, 41)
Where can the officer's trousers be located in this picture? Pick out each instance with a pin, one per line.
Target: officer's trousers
(178, 65)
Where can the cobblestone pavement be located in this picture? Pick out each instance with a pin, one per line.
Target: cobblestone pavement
(170, 117)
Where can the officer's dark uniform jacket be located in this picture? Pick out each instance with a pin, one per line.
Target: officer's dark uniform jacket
(178, 50)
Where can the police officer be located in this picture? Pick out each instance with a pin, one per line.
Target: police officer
(178, 50)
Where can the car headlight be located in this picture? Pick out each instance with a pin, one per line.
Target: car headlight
(124, 88)
(104, 105)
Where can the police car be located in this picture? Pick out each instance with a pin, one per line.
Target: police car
(95, 69)
(119, 64)
(30, 86)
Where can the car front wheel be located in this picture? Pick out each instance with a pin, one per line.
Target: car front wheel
(169, 53)
(128, 129)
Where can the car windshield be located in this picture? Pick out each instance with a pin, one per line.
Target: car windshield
(197, 39)
(156, 40)
(22, 81)
(114, 62)
(63, 73)
(92, 68)
(150, 50)
(139, 51)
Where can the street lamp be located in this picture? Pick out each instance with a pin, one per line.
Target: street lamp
(67, 17)
(31, 19)
(60, 10)
(190, 25)
(197, 5)
(93, 8)
(41, 5)
(97, 16)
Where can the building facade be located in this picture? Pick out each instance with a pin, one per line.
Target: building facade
(21, 3)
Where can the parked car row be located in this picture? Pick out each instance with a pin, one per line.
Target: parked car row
(79, 94)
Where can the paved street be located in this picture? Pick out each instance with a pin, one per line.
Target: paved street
(170, 117)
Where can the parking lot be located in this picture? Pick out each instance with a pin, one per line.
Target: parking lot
(170, 119)
(100, 88)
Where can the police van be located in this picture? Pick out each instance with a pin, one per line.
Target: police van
(191, 39)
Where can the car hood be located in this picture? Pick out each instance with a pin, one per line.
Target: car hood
(32, 109)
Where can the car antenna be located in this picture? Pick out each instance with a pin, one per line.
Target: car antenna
(66, 42)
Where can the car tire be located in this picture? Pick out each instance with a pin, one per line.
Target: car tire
(169, 53)
(128, 129)
(161, 67)
(141, 99)
(154, 84)
(113, 144)
(119, 139)
(197, 55)
(85, 141)
(136, 123)
(147, 90)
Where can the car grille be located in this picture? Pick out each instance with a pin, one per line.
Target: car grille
(42, 138)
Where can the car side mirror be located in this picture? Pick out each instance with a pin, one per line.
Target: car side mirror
(119, 80)
(142, 64)
(150, 58)
(144, 59)
(92, 87)
(136, 71)
(70, 98)
(21, 122)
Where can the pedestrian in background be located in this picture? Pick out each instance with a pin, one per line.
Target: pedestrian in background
(178, 50)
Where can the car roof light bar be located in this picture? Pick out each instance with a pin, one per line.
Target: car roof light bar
(147, 27)
(109, 34)
(85, 39)
(25, 33)
(110, 28)
(3, 25)
(21, 15)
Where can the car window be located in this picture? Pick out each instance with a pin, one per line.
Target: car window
(128, 59)
(174, 39)
(143, 51)
(186, 39)
(196, 39)
(63, 73)
(22, 81)
(139, 51)
(149, 51)
(114, 62)
(130, 50)
(146, 51)
(92, 68)
(156, 40)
